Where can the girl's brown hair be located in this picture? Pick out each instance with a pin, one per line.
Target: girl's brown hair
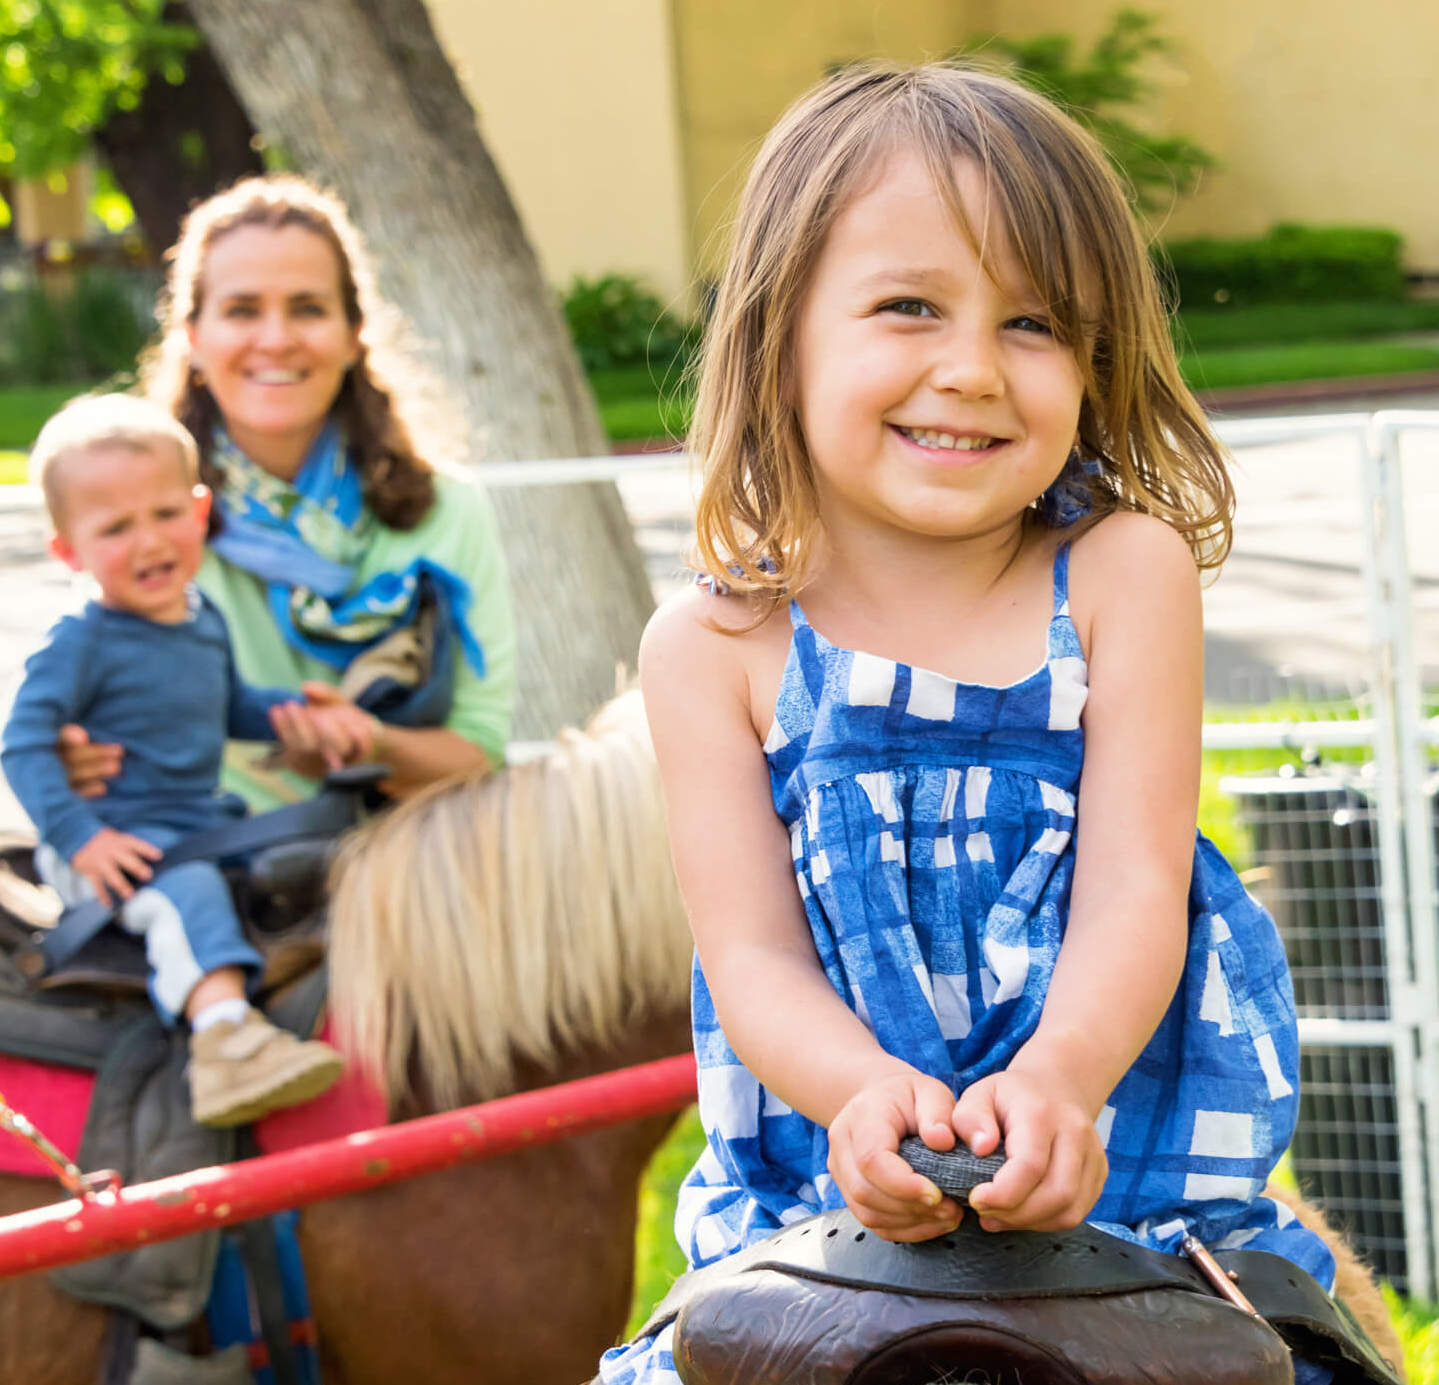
(379, 420)
(1063, 211)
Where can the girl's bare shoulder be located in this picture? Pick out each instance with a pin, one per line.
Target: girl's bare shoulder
(706, 645)
(1128, 560)
(1127, 538)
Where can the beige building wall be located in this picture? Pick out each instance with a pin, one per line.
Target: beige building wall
(54, 209)
(1321, 111)
(741, 62)
(625, 127)
(577, 105)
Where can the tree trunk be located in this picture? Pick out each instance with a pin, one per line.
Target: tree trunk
(179, 144)
(361, 94)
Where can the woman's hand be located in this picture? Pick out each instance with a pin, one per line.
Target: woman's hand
(110, 860)
(324, 732)
(1054, 1167)
(881, 1189)
(88, 767)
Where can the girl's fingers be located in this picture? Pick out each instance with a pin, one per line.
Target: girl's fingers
(887, 1171)
(881, 1189)
(934, 1117)
(1048, 1200)
(877, 1212)
(1027, 1157)
(975, 1118)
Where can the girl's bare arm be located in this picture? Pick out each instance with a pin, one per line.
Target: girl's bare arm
(1124, 948)
(778, 1010)
(1136, 598)
(732, 858)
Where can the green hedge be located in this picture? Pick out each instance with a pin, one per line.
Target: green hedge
(92, 329)
(616, 321)
(1288, 264)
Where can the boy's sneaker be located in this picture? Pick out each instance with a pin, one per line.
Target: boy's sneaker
(240, 1072)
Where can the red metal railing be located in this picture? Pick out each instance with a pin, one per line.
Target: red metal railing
(83, 1229)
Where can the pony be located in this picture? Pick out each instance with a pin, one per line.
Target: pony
(486, 937)
(491, 936)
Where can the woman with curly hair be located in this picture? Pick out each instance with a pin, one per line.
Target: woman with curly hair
(345, 552)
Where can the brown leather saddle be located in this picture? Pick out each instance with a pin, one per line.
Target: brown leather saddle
(825, 1302)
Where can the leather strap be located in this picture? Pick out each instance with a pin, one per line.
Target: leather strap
(261, 1257)
(973, 1265)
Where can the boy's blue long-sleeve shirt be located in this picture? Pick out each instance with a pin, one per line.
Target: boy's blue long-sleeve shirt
(168, 694)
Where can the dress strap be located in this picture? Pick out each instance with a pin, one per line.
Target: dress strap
(1061, 578)
(1063, 637)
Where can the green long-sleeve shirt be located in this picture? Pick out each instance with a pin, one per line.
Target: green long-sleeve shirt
(460, 533)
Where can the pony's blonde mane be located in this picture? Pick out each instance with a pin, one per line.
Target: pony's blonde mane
(482, 923)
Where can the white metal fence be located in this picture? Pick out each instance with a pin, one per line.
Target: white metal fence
(1344, 855)
(1314, 645)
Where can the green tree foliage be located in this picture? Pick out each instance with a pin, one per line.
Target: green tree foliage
(67, 66)
(1099, 89)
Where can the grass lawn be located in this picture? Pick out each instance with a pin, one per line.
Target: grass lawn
(1322, 360)
(1222, 347)
(24, 408)
(14, 468)
(1250, 346)
(1279, 324)
(642, 401)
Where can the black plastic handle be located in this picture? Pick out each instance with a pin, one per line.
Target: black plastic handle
(954, 1172)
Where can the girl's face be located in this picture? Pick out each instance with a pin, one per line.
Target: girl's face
(272, 339)
(933, 396)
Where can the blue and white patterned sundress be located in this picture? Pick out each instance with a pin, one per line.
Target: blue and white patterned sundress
(932, 828)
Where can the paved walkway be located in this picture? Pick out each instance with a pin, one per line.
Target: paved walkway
(1286, 618)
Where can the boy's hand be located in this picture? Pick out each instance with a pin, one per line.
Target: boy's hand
(881, 1189)
(110, 859)
(1054, 1167)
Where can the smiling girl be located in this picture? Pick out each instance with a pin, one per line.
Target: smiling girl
(931, 744)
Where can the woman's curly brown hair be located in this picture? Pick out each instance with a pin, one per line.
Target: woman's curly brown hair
(379, 400)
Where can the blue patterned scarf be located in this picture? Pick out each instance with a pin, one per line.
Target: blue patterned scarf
(305, 539)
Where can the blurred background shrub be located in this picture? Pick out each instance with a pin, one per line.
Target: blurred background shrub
(1288, 264)
(616, 321)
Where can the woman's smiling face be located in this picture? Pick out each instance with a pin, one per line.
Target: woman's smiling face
(272, 339)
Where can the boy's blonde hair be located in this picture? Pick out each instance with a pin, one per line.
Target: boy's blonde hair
(1062, 210)
(104, 420)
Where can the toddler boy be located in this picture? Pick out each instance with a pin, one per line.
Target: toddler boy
(149, 667)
